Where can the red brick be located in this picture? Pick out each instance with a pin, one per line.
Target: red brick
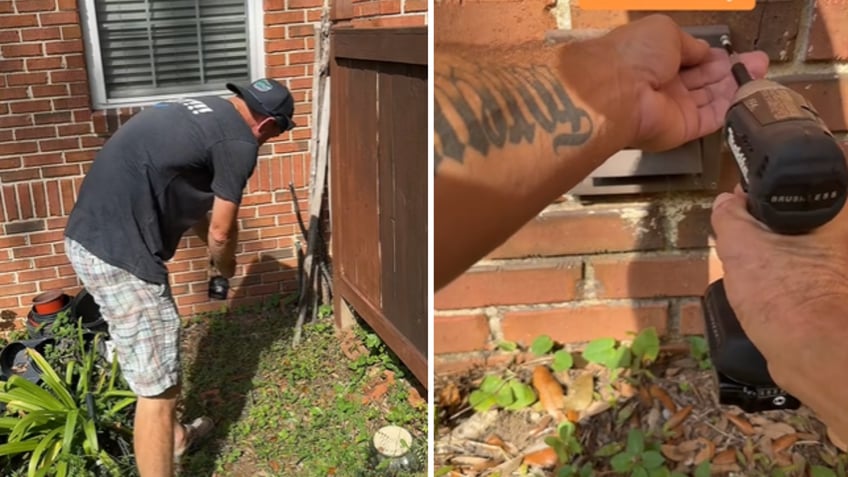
(75, 129)
(10, 36)
(68, 76)
(511, 285)
(274, 5)
(31, 106)
(479, 23)
(48, 63)
(7, 94)
(37, 275)
(13, 121)
(39, 199)
(71, 32)
(10, 163)
(51, 261)
(32, 251)
(68, 5)
(54, 199)
(25, 201)
(301, 30)
(829, 95)
(57, 223)
(294, 4)
(268, 244)
(652, 277)
(80, 156)
(70, 103)
(15, 51)
(68, 198)
(19, 175)
(829, 31)
(35, 5)
(275, 18)
(50, 90)
(59, 144)
(60, 18)
(7, 7)
(415, 5)
(578, 324)
(60, 171)
(311, 17)
(15, 265)
(74, 62)
(578, 232)
(9, 66)
(691, 318)
(283, 45)
(395, 21)
(52, 118)
(17, 21)
(37, 132)
(389, 7)
(693, 228)
(258, 223)
(287, 72)
(458, 334)
(26, 79)
(41, 34)
(18, 147)
(59, 284)
(300, 58)
(8, 290)
(38, 160)
(366, 9)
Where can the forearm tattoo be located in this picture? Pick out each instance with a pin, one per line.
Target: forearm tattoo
(500, 105)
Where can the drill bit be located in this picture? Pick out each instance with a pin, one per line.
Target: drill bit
(740, 73)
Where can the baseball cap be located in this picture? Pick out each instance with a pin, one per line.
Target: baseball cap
(267, 96)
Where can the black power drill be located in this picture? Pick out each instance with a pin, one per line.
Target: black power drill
(794, 173)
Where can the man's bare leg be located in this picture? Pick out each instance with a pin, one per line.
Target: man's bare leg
(156, 432)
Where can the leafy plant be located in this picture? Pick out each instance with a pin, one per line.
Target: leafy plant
(562, 361)
(608, 352)
(565, 443)
(636, 460)
(65, 426)
(510, 394)
(700, 351)
(542, 345)
(645, 347)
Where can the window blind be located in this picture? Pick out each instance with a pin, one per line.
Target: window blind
(151, 47)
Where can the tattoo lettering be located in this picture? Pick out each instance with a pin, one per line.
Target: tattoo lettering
(500, 106)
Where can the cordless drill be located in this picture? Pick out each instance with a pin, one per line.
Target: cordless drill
(795, 176)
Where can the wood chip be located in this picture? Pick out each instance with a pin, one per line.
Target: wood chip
(678, 418)
(549, 391)
(782, 443)
(673, 453)
(660, 394)
(727, 456)
(541, 458)
(707, 451)
(741, 423)
(645, 397)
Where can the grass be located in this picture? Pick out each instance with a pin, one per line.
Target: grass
(308, 411)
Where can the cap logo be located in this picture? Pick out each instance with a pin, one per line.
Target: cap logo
(262, 85)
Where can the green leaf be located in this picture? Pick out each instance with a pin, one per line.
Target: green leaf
(609, 449)
(652, 459)
(508, 346)
(703, 470)
(635, 441)
(562, 361)
(622, 462)
(39, 461)
(14, 448)
(639, 471)
(659, 472)
(91, 436)
(646, 346)
(819, 471)
(23, 390)
(566, 471)
(565, 430)
(620, 358)
(504, 397)
(51, 379)
(491, 384)
(599, 350)
(70, 431)
(481, 401)
(119, 406)
(542, 345)
(524, 395)
(698, 347)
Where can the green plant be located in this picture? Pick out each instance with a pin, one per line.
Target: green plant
(645, 347)
(543, 345)
(510, 394)
(700, 351)
(72, 425)
(609, 353)
(565, 443)
(638, 460)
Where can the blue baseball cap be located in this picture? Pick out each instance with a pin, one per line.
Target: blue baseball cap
(267, 96)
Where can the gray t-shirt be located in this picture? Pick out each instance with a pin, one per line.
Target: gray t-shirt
(156, 177)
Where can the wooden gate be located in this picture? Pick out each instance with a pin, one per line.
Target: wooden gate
(378, 184)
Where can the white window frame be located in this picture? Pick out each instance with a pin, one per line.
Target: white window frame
(97, 82)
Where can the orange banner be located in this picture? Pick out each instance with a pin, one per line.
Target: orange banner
(667, 4)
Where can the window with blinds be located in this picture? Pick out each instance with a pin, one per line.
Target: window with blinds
(150, 48)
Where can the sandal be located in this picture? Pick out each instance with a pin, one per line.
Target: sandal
(194, 434)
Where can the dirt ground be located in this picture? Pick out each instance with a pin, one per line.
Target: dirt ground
(678, 410)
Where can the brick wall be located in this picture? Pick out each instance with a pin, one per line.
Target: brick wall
(582, 271)
(49, 135)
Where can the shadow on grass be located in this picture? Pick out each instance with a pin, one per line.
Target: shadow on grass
(221, 354)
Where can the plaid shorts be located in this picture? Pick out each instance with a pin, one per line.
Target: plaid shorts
(144, 324)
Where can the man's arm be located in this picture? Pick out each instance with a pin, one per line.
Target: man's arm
(223, 236)
(514, 130)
